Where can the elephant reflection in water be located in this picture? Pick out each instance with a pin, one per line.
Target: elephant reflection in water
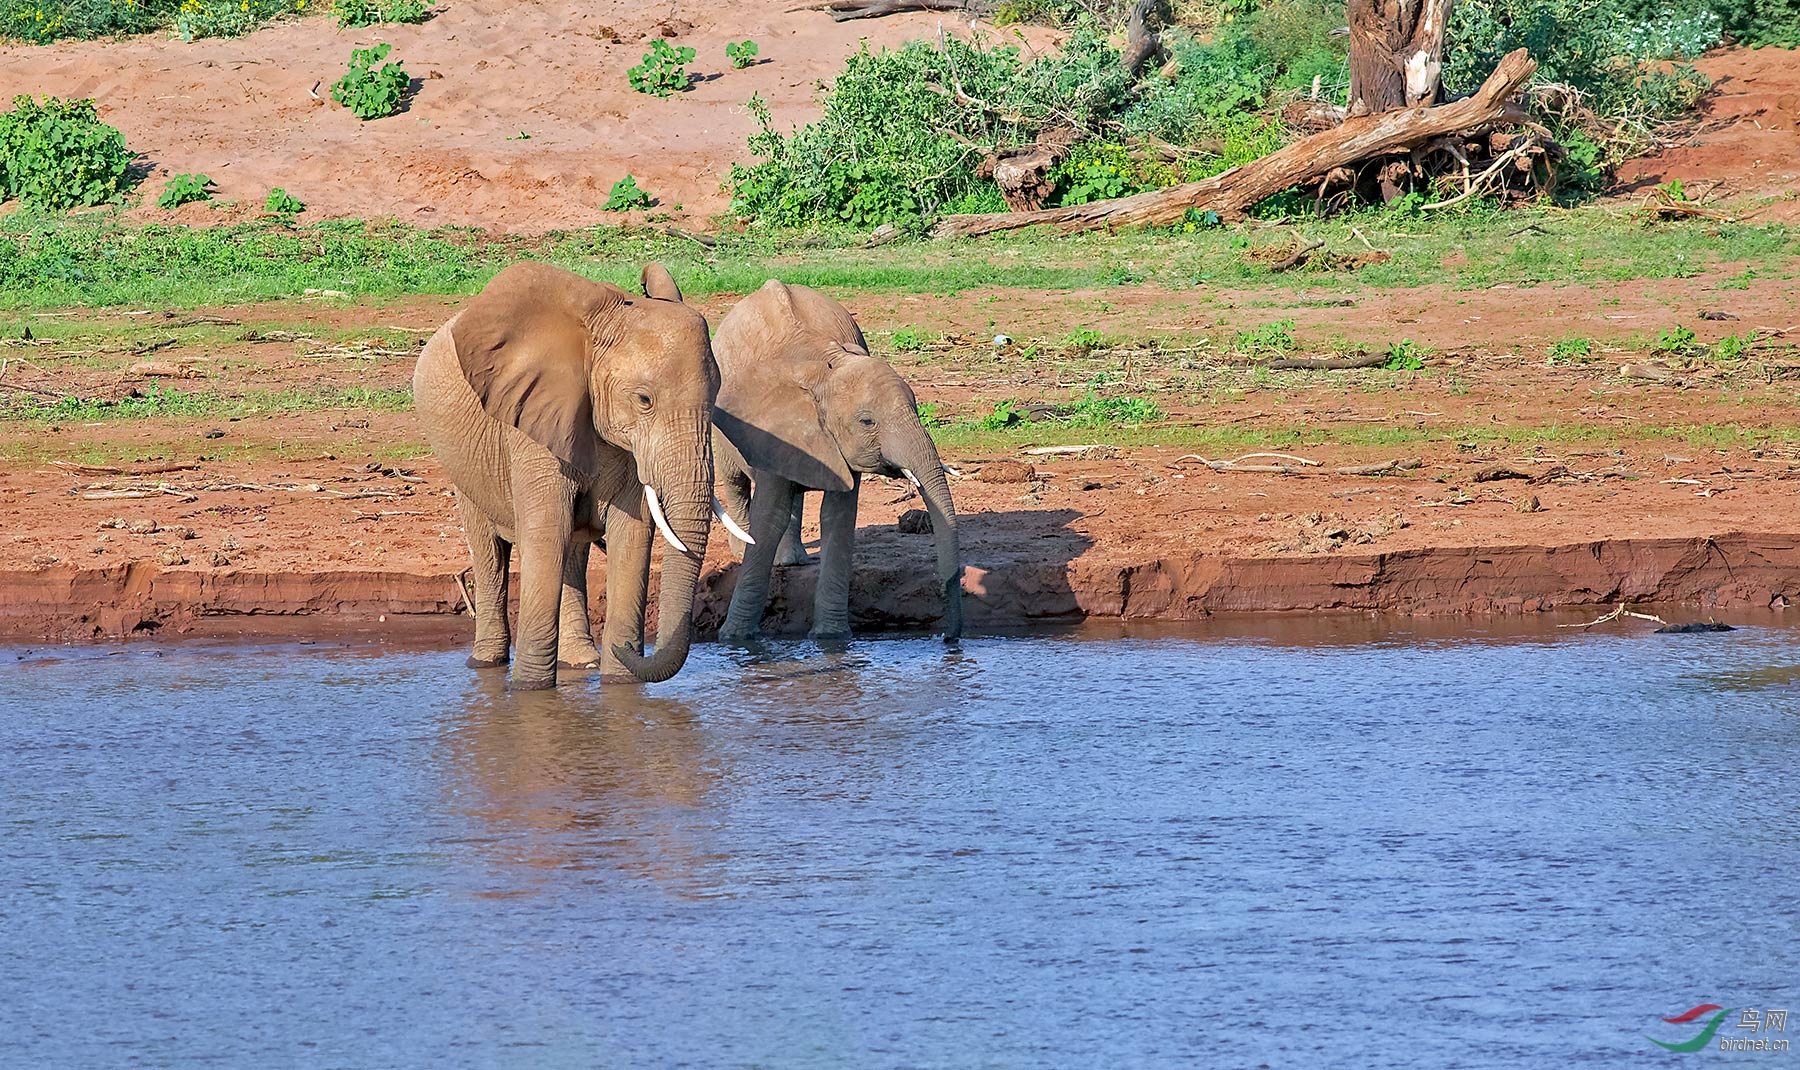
(568, 783)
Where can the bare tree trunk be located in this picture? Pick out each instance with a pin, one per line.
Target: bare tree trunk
(1396, 53)
(1236, 191)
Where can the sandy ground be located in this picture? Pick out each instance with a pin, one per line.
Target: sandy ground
(248, 112)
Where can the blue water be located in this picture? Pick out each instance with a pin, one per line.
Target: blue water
(1362, 847)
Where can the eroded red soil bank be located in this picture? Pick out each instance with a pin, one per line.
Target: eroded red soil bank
(1741, 571)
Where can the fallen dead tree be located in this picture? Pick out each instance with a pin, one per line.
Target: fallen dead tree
(1233, 193)
(846, 10)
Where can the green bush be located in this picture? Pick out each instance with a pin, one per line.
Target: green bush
(741, 53)
(184, 189)
(368, 92)
(356, 14)
(625, 195)
(47, 20)
(1752, 22)
(281, 202)
(1595, 48)
(662, 71)
(58, 154)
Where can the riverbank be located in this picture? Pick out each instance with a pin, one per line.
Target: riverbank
(316, 546)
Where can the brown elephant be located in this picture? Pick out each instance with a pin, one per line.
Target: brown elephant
(803, 406)
(568, 412)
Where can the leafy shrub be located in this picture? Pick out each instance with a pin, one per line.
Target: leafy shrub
(355, 14)
(1677, 340)
(368, 92)
(741, 54)
(58, 154)
(1096, 411)
(195, 19)
(1574, 347)
(1732, 346)
(281, 202)
(663, 70)
(1003, 415)
(625, 195)
(47, 20)
(1595, 48)
(1752, 22)
(1273, 339)
(185, 189)
(910, 339)
(1404, 355)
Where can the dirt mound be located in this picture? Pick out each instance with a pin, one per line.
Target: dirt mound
(1747, 148)
(522, 118)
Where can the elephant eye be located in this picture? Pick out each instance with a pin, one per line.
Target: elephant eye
(643, 401)
(866, 420)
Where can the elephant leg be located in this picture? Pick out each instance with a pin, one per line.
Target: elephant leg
(770, 510)
(574, 634)
(837, 543)
(544, 512)
(792, 550)
(628, 539)
(492, 557)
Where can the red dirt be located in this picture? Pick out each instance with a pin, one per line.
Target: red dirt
(246, 111)
(1747, 149)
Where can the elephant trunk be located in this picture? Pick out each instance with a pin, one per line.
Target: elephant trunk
(686, 503)
(911, 448)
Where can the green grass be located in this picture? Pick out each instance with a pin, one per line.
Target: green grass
(39, 451)
(161, 401)
(98, 260)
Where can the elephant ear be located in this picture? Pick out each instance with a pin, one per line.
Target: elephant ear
(775, 419)
(658, 283)
(526, 346)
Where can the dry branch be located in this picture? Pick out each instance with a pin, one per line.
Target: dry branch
(1615, 615)
(845, 10)
(1233, 193)
(1363, 360)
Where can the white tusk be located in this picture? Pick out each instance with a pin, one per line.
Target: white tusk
(662, 522)
(730, 524)
(915, 479)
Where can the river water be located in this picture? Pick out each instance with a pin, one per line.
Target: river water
(1352, 844)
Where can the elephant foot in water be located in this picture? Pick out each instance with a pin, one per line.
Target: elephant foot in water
(582, 656)
(488, 658)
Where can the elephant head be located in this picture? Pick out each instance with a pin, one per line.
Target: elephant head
(804, 398)
(617, 388)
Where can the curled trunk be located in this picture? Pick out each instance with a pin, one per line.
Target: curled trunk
(686, 492)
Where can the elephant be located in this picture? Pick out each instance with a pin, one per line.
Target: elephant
(803, 406)
(568, 412)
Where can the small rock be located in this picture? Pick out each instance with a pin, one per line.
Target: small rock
(172, 556)
(915, 522)
(214, 433)
(180, 531)
(43, 559)
(115, 522)
(1528, 504)
(231, 544)
(219, 560)
(143, 527)
(1006, 472)
(1088, 484)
